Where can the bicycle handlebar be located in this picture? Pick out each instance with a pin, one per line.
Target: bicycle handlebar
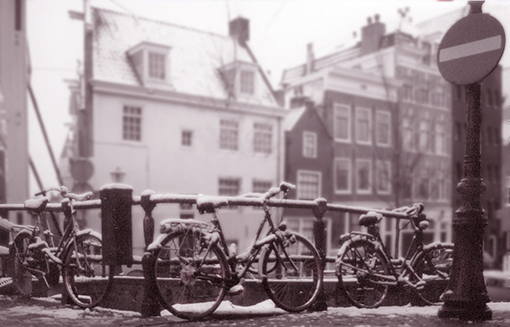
(64, 192)
(284, 187)
(415, 209)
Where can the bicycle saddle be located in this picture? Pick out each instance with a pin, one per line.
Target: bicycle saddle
(370, 218)
(38, 204)
(209, 204)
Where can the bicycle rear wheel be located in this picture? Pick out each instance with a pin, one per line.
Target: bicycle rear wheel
(20, 255)
(356, 269)
(191, 276)
(433, 266)
(291, 272)
(86, 278)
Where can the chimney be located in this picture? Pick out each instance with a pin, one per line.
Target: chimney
(309, 59)
(371, 35)
(239, 28)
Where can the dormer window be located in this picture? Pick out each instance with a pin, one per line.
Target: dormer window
(240, 79)
(151, 62)
(247, 83)
(157, 66)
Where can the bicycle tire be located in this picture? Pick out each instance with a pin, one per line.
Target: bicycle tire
(356, 264)
(191, 277)
(21, 278)
(86, 280)
(433, 265)
(291, 272)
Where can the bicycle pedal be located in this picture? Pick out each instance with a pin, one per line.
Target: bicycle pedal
(420, 285)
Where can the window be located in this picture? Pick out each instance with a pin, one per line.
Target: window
(157, 67)
(383, 128)
(424, 135)
(410, 137)
(263, 138)
(363, 126)
(458, 131)
(132, 123)
(186, 211)
(363, 176)
(187, 138)
(342, 126)
(440, 138)
(247, 85)
(303, 226)
(489, 135)
(309, 145)
(229, 186)
(308, 185)
(383, 171)
(229, 130)
(423, 186)
(342, 175)
(261, 186)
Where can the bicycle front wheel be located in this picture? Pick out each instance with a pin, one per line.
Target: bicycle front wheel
(361, 270)
(20, 255)
(191, 274)
(291, 272)
(432, 267)
(86, 277)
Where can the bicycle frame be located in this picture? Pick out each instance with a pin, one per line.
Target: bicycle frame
(248, 256)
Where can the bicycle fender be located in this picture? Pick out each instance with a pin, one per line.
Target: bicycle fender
(435, 245)
(89, 231)
(156, 244)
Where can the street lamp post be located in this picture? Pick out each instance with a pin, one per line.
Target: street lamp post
(469, 51)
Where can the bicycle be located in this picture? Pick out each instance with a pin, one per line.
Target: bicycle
(195, 268)
(365, 270)
(36, 253)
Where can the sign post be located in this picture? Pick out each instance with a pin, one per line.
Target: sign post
(469, 51)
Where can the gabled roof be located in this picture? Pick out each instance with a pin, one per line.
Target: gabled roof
(195, 56)
(293, 116)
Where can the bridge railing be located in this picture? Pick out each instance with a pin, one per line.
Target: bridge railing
(116, 201)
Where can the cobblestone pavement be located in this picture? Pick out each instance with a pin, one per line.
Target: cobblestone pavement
(42, 312)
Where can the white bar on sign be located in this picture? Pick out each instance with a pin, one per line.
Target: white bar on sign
(470, 48)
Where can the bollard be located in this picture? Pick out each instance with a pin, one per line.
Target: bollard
(320, 243)
(116, 225)
(150, 305)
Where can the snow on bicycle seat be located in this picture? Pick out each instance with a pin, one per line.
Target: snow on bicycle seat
(370, 218)
(209, 204)
(36, 204)
(175, 224)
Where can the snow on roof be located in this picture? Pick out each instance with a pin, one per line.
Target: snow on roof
(292, 118)
(195, 56)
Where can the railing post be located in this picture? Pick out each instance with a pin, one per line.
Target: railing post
(320, 243)
(150, 305)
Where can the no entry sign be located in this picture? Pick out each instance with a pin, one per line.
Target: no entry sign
(471, 49)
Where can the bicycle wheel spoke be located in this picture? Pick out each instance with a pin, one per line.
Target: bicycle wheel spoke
(86, 278)
(191, 279)
(292, 273)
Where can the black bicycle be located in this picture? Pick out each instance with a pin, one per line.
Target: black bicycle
(37, 253)
(195, 268)
(365, 269)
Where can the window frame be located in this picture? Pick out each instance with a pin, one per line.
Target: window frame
(226, 137)
(183, 138)
(359, 163)
(299, 193)
(251, 85)
(151, 53)
(125, 126)
(258, 135)
(313, 146)
(387, 165)
(348, 190)
(358, 111)
(336, 107)
(378, 114)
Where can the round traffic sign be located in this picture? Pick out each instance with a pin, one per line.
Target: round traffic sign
(471, 49)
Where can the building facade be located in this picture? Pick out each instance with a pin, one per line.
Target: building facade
(176, 110)
(389, 113)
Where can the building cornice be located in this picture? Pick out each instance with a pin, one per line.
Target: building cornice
(186, 99)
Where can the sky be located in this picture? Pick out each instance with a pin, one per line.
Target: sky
(279, 33)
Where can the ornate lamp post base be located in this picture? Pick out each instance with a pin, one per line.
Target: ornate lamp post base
(465, 311)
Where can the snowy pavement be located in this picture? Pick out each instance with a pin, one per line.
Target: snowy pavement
(46, 312)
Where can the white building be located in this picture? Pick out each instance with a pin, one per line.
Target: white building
(175, 110)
